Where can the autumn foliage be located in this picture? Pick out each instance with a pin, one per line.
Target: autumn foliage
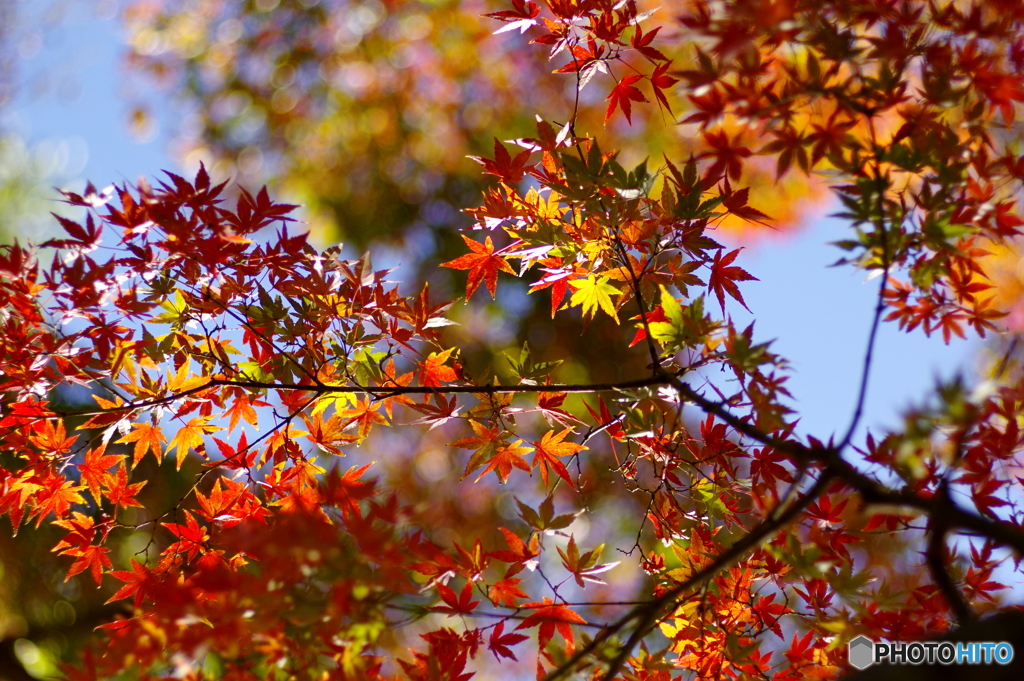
(182, 373)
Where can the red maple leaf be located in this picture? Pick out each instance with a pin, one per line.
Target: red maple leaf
(550, 617)
(192, 537)
(500, 641)
(434, 370)
(483, 265)
(509, 170)
(660, 80)
(136, 583)
(547, 451)
(724, 276)
(463, 604)
(520, 552)
(621, 95)
(641, 42)
(506, 592)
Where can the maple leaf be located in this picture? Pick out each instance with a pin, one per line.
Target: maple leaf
(641, 42)
(520, 551)
(736, 203)
(509, 170)
(242, 408)
(191, 536)
(583, 567)
(137, 581)
(365, 415)
(328, 435)
(724, 276)
(506, 592)
(346, 491)
(485, 442)
(147, 438)
(190, 436)
(547, 451)
(483, 265)
(558, 281)
(52, 438)
(216, 506)
(621, 95)
(605, 421)
(499, 642)
(550, 617)
(522, 18)
(93, 469)
(434, 371)
(728, 155)
(594, 293)
(506, 457)
(119, 492)
(463, 604)
(661, 81)
(93, 558)
(55, 495)
(82, 530)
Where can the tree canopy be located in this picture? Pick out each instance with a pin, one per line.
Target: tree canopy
(623, 495)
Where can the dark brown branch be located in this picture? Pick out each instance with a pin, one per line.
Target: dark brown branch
(649, 613)
(381, 392)
(876, 321)
(935, 556)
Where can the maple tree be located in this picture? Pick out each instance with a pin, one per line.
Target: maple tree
(180, 378)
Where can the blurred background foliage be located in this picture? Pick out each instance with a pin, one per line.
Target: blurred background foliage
(365, 111)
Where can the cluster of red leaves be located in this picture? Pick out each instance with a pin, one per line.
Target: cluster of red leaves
(193, 331)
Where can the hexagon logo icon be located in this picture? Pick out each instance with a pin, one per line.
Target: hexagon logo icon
(861, 652)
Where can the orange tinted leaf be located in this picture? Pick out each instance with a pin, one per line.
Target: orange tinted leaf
(93, 469)
(190, 437)
(506, 592)
(508, 456)
(147, 438)
(483, 265)
(93, 558)
(119, 492)
(547, 451)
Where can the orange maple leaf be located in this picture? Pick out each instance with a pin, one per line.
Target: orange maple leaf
(56, 495)
(119, 492)
(434, 371)
(192, 537)
(190, 436)
(93, 469)
(506, 592)
(147, 438)
(94, 558)
(548, 450)
(507, 457)
(483, 265)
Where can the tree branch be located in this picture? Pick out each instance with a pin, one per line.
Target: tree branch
(650, 612)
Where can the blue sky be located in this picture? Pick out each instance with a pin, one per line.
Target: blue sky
(819, 316)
